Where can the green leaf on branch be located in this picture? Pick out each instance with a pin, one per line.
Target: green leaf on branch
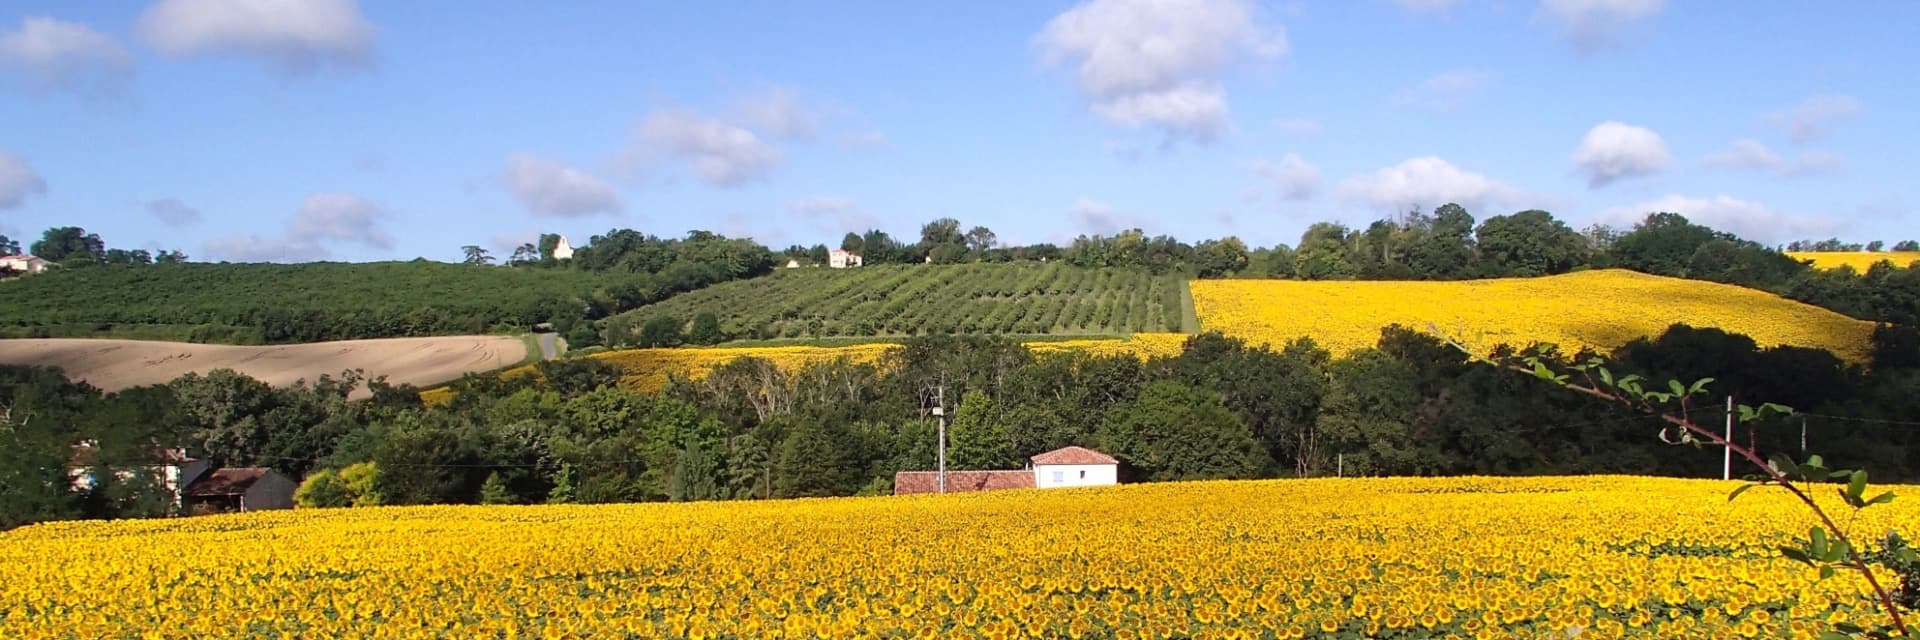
(1883, 498)
(1826, 572)
(1699, 386)
(1796, 555)
(1817, 539)
(1784, 465)
(1743, 489)
(1678, 389)
(1857, 487)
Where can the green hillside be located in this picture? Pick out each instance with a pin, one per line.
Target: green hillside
(276, 303)
(904, 300)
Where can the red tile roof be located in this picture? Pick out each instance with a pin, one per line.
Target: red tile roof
(1074, 455)
(226, 482)
(906, 482)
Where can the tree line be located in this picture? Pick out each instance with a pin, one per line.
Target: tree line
(1413, 405)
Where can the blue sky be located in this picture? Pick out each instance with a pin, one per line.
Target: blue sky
(329, 129)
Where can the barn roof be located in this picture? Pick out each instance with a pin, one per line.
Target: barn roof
(906, 482)
(226, 482)
(1074, 455)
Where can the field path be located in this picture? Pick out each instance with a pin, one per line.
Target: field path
(113, 365)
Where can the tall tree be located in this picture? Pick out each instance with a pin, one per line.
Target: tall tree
(475, 255)
(61, 244)
(8, 246)
(941, 231)
(980, 239)
(1529, 243)
(1175, 432)
(979, 441)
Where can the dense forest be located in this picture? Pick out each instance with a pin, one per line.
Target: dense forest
(1412, 406)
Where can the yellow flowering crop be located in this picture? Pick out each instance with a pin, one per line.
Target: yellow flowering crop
(1613, 557)
(1859, 260)
(1602, 309)
(648, 369)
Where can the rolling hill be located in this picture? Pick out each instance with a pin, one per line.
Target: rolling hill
(905, 300)
(1602, 309)
(113, 365)
(291, 303)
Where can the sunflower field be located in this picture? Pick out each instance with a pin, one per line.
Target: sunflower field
(1602, 309)
(1591, 557)
(1859, 260)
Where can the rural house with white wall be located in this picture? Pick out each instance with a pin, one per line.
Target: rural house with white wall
(1064, 467)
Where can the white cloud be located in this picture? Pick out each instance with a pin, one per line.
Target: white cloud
(1447, 91)
(1616, 150)
(172, 212)
(1297, 127)
(1198, 111)
(339, 216)
(1751, 154)
(780, 114)
(1427, 182)
(1749, 220)
(722, 154)
(18, 181)
(1596, 24)
(296, 35)
(65, 55)
(252, 248)
(549, 188)
(1291, 179)
(1155, 63)
(1814, 119)
(820, 206)
(1097, 218)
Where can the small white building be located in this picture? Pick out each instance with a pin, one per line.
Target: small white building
(1067, 467)
(841, 259)
(24, 263)
(1074, 467)
(173, 469)
(793, 263)
(563, 250)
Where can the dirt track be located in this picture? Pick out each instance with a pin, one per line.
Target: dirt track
(118, 364)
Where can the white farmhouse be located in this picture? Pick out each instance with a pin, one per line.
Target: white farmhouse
(1068, 467)
(841, 259)
(563, 250)
(24, 264)
(1074, 467)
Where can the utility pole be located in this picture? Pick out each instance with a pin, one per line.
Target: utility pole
(1339, 465)
(1726, 464)
(1803, 434)
(940, 413)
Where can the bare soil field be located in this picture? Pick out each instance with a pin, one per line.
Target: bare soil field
(118, 364)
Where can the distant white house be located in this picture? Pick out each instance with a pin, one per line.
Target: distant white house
(24, 263)
(841, 259)
(1066, 467)
(173, 469)
(793, 263)
(1074, 467)
(563, 250)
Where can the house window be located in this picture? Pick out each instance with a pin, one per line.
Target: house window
(1083, 474)
(1059, 476)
